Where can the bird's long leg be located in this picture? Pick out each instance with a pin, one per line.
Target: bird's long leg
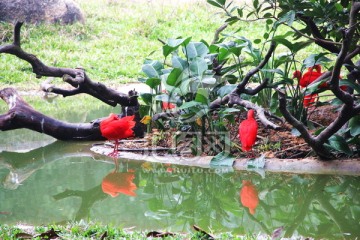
(116, 164)
(116, 147)
(250, 154)
(114, 153)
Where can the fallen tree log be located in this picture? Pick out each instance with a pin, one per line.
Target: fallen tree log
(22, 115)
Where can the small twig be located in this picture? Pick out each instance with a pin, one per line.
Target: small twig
(218, 31)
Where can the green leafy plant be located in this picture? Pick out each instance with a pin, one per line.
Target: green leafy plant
(332, 27)
(185, 79)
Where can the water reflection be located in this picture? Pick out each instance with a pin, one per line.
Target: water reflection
(249, 196)
(158, 196)
(119, 182)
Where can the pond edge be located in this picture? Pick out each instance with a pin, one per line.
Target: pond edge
(299, 166)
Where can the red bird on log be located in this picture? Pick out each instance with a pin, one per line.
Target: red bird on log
(115, 128)
(248, 131)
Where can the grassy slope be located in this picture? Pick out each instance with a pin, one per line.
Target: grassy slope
(112, 44)
(115, 39)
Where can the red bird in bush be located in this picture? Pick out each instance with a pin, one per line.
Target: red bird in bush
(305, 80)
(310, 99)
(115, 128)
(248, 131)
(310, 76)
(167, 105)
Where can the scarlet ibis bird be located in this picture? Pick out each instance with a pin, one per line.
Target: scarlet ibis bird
(248, 131)
(310, 99)
(305, 80)
(115, 128)
(310, 76)
(249, 196)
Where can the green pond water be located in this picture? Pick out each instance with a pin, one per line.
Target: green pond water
(43, 181)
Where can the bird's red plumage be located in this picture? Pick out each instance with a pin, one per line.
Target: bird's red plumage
(309, 77)
(248, 131)
(115, 128)
(297, 74)
(317, 67)
(309, 100)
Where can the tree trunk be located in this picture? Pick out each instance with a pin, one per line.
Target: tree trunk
(22, 115)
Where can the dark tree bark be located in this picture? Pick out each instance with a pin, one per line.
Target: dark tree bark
(19, 114)
(22, 115)
(350, 107)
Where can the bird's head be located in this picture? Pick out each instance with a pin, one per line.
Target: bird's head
(250, 113)
(317, 68)
(297, 74)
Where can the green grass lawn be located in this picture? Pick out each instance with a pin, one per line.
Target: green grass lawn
(115, 39)
(112, 44)
(83, 230)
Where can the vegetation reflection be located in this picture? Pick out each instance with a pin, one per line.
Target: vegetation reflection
(177, 197)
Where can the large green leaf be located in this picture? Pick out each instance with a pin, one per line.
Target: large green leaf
(225, 90)
(150, 71)
(175, 77)
(215, 3)
(144, 110)
(184, 87)
(354, 125)
(222, 159)
(314, 59)
(236, 50)
(153, 82)
(178, 62)
(196, 49)
(173, 44)
(209, 80)
(147, 98)
(338, 143)
(167, 50)
(198, 66)
(282, 40)
(202, 96)
(189, 104)
(287, 17)
(223, 54)
(177, 42)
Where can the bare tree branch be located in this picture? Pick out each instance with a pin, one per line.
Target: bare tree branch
(75, 77)
(218, 31)
(240, 88)
(320, 150)
(334, 80)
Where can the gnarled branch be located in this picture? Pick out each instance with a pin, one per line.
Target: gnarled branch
(22, 115)
(77, 77)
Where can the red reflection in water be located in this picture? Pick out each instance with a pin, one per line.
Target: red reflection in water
(249, 196)
(119, 182)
